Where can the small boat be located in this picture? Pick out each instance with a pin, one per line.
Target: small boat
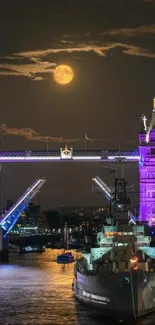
(65, 258)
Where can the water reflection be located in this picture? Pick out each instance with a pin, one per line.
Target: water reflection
(36, 290)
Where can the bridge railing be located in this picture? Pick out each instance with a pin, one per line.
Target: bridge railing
(44, 153)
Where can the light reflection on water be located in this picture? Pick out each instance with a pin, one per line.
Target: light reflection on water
(36, 290)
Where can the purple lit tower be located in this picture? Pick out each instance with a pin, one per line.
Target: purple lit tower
(147, 169)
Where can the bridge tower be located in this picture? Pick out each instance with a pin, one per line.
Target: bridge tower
(147, 169)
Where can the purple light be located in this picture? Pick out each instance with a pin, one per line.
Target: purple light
(87, 158)
(59, 158)
(136, 158)
(147, 180)
(28, 159)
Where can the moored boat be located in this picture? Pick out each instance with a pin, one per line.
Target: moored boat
(65, 258)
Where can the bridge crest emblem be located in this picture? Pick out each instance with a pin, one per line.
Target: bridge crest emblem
(66, 153)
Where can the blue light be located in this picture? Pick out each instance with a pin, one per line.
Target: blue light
(11, 216)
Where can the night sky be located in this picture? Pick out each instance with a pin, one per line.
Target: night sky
(110, 45)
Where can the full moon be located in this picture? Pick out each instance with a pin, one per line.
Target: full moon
(63, 74)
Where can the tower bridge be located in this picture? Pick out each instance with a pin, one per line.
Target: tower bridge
(67, 155)
(144, 155)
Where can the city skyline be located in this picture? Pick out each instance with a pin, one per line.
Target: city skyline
(109, 47)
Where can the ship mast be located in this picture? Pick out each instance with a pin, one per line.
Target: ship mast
(120, 202)
(66, 236)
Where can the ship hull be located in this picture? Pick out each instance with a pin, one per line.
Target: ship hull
(124, 295)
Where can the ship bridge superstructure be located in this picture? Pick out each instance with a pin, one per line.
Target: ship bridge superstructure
(11, 216)
(120, 242)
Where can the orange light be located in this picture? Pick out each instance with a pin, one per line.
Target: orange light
(136, 268)
(113, 233)
(134, 260)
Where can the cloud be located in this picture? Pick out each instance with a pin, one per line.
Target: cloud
(101, 50)
(32, 135)
(36, 64)
(38, 78)
(151, 1)
(137, 51)
(144, 30)
(28, 69)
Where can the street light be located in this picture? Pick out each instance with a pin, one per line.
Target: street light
(85, 141)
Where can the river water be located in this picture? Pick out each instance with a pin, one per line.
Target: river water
(35, 290)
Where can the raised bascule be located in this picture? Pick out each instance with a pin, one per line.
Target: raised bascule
(144, 156)
(11, 216)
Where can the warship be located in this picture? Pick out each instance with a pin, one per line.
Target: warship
(116, 277)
